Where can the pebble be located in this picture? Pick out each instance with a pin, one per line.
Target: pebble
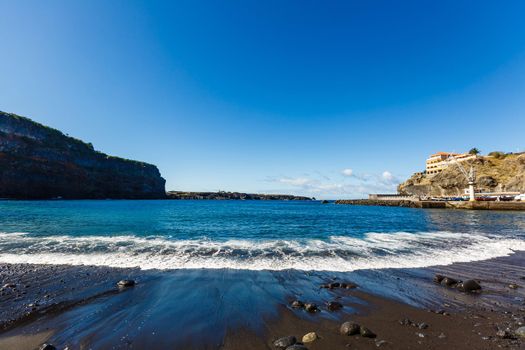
(421, 335)
(126, 283)
(513, 286)
(349, 328)
(442, 335)
(310, 337)
(285, 342)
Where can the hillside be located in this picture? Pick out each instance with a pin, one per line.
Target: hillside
(497, 172)
(40, 162)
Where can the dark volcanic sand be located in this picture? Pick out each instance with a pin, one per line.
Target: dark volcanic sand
(80, 307)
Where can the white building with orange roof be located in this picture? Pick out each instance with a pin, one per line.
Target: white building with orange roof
(438, 161)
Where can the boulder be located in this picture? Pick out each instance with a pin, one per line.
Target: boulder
(349, 328)
(284, 342)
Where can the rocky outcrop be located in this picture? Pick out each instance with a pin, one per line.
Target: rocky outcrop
(38, 162)
(504, 172)
(221, 195)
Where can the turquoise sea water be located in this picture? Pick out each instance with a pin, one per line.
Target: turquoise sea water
(253, 235)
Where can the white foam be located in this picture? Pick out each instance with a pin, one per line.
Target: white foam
(338, 253)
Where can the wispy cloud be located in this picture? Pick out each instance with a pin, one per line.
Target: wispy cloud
(298, 181)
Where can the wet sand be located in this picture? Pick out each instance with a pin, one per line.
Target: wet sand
(80, 307)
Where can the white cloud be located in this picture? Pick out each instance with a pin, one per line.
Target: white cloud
(298, 181)
(347, 172)
(387, 175)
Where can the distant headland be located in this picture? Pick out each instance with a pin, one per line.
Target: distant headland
(221, 195)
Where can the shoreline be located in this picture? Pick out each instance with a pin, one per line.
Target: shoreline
(238, 309)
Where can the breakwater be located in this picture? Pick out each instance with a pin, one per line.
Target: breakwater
(479, 205)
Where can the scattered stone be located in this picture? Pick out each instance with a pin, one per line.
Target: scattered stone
(126, 283)
(334, 306)
(513, 286)
(469, 286)
(284, 342)
(438, 278)
(406, 322)
(349, 328)
(9, 285)
(311, 307)
(421, 335)
(520, 332)
(504, 334)
(422, 325)
(46, 347)
(297, 304)
(367, 333)
(310, 337)
(442, 335)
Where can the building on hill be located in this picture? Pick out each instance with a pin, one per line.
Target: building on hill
(438, 161)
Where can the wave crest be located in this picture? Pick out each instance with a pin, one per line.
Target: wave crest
(337, 253)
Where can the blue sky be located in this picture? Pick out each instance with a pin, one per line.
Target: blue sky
(271, 96)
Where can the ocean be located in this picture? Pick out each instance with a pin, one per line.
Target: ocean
(250, 235)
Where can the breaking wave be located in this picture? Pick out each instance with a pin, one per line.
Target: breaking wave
(336, 253)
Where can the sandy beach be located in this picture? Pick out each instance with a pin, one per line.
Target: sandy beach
(81, 307)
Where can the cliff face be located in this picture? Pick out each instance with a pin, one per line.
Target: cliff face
(40, 162)
(494, 173)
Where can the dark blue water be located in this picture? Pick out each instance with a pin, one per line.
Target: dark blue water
(251, 234)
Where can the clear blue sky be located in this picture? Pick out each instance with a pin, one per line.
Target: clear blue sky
(271, 96)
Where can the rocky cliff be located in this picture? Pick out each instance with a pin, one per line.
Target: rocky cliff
(496, 172)
(40, 162)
